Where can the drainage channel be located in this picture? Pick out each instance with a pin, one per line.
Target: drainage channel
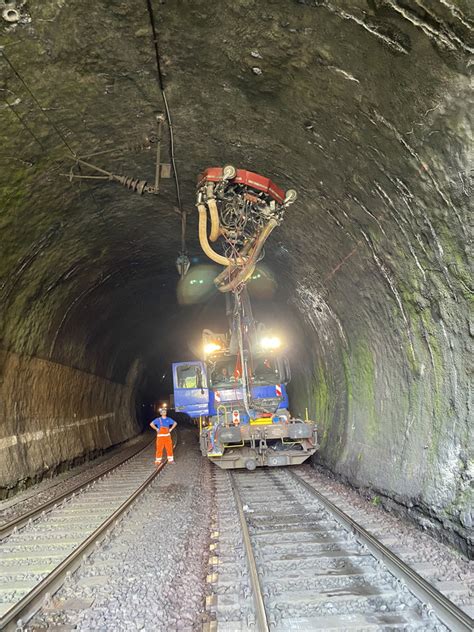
(35, 559)
(283, 559)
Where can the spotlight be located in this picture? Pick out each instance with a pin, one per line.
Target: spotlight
(211, 347)
(270, 342)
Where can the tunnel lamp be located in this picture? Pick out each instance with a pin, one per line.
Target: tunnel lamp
(210, 347)
(270, 342)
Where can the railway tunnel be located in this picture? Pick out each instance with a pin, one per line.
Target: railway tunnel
(361, 106)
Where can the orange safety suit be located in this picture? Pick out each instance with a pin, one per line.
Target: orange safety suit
(164, 441)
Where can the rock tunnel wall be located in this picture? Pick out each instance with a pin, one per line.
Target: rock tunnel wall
(54, 414)
(391, 395)
(364, 107)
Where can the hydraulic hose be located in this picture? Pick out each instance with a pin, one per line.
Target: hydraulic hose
(203, 240)
(227, 273)
(240, 277)
(213, 212)
(251, 262)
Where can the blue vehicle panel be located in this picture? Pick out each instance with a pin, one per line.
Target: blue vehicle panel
(191, 394)
(236, 394)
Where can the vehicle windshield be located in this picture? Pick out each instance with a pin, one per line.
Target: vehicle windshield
(265, 370)
(190, 376)
(227, 372)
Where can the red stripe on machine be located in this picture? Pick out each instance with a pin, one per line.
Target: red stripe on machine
(278, 390)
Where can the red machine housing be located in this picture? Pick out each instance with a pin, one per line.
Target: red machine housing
(247, 178)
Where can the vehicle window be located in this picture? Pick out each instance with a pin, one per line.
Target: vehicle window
(190, 376)
(265, 371)
(226, 373)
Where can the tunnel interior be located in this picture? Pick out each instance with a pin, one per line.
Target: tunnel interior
(361, 106)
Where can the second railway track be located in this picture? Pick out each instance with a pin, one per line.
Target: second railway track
(35, 559)
(284, 558)
(19, 513)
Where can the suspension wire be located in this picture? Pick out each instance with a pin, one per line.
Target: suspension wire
(28, 129)
(45, 114)
(183, 232)
(165, 101)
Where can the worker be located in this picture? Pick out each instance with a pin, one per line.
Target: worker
(163, 425)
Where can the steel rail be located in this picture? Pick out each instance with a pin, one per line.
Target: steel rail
(262, 620)
(20, 521)
(450, 614)
(31, 603)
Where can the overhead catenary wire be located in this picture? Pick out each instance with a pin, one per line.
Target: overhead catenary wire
(161, 85)
(28, 129)
(167, 113)
(38, 104)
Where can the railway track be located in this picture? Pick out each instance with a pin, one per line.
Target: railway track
(56, 493)
(285, 558)
(35, 558)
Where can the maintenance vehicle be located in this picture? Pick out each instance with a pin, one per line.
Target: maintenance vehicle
(241, 403)
(238, 389)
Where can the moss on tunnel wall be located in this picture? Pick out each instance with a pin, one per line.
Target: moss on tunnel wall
(408, 439)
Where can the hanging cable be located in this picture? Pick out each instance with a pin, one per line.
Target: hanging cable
(12, 109)
(165, 101)
(45, 114)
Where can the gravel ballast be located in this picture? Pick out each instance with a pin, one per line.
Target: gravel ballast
(447, 569)
(150, 572)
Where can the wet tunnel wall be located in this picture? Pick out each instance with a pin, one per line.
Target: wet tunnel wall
(362, 106)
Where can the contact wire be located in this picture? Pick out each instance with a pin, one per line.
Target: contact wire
(161, 85)
(43, 111)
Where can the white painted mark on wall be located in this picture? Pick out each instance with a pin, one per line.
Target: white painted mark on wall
(39, 435)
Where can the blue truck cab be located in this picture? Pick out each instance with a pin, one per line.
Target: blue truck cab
(243, 425)
(203, 389)
(191, 391)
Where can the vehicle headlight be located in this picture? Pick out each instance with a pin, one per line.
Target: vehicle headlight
(270, 342)
(211, 347)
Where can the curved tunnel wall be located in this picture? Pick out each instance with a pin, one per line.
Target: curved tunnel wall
(363, 108)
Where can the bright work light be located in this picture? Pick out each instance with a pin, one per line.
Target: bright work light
(270, 342)
(210, 347)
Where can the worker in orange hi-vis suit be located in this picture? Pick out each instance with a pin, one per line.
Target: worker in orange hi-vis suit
(163, 426)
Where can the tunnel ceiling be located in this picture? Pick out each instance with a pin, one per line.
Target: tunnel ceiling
(360, 106)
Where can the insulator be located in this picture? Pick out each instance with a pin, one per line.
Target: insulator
(131, 183)
(182, 264)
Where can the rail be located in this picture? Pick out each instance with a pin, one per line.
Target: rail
(452, 616)
(19, 614)
(261, 615)
(8, 527)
